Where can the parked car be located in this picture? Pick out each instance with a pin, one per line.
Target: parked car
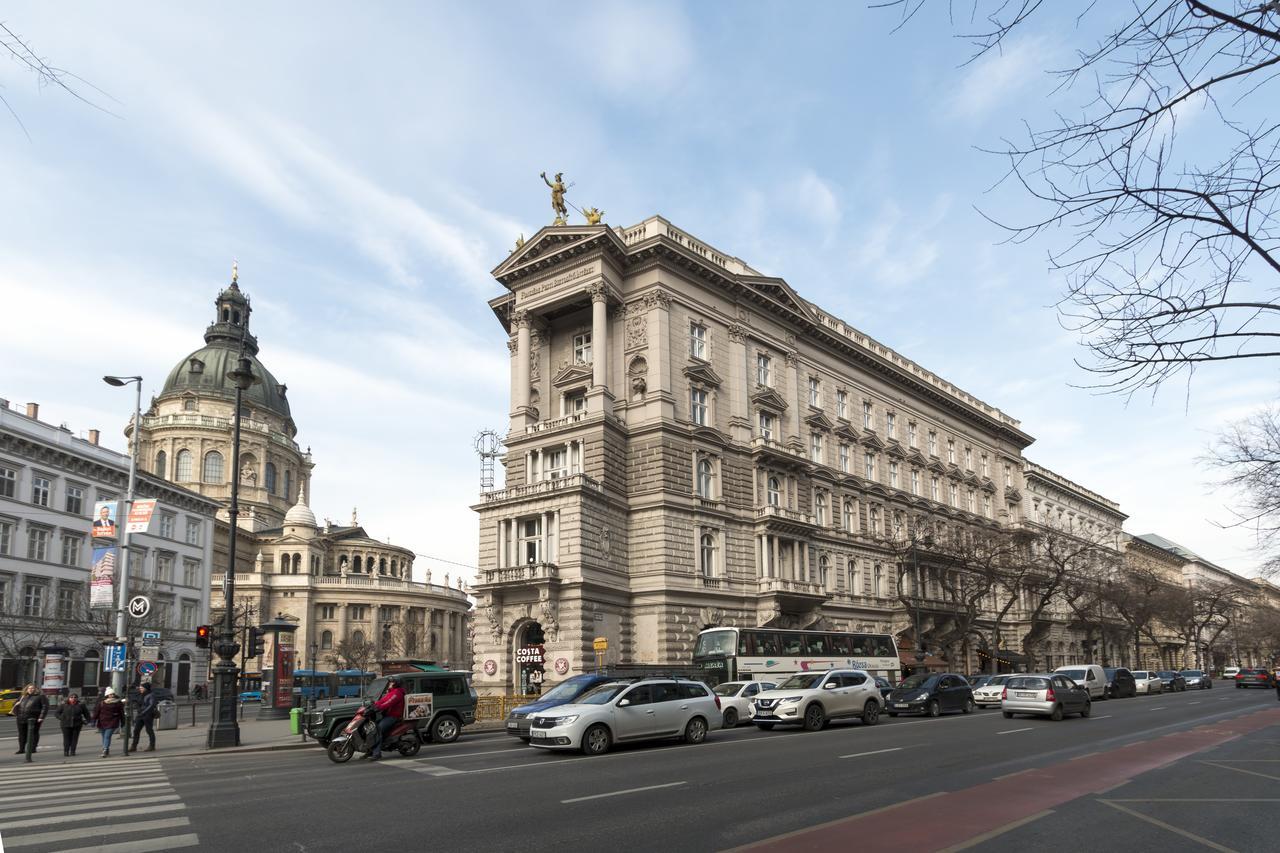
(453, 706)
(931, 693)
(563, 693)
(990, 693)
(735, 699)
(251, 696)
(1230, 672)
(1172, 680)
(1253, 677)
(1120, 683)
(885, 685)
(1147, 682)
(1197, 678)
(1053, 696)
(626, 711)
(1089, 676)
(813, 699)
(8, 699)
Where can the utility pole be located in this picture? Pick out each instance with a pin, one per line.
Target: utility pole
(122, 582)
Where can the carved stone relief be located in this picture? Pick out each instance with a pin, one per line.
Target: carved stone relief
(638, 376)
(636, 328)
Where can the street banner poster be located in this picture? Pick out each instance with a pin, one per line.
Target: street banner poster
(104, 520)
(140, 516)
(417, 706)
(54, 677)
(102, 576)
(283, 683)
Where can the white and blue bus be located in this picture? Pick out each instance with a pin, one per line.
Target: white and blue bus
(742, 654)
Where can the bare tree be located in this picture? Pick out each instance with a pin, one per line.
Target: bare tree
(356, 653)
(1171, 252)
(19, 50)
(1247, 453)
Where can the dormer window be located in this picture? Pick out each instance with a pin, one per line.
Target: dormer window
(197, 366)
(582, 348)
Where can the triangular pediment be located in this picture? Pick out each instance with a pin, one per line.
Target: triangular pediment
(781, 292)
(550, 240)
(818, 420)
(847, 432)
(571, 373)
(870, 439)
(937, 467)
(895, 449)
(769, 398)
(916, 456)
(702, 373)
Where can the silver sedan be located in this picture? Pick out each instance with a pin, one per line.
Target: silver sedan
(1148, 681)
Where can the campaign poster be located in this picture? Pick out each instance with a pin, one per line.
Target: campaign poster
(104, 519)
(140, 516)
(102, 576)
(417, 706)
(55, 678)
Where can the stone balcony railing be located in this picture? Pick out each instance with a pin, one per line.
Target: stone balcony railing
(351, 581)
(556, 423)
(246, 424)
(545, 487)
(782, 512)
(521, 574)
(787, 585)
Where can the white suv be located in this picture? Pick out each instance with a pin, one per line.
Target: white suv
(812, 699)
(623, 711)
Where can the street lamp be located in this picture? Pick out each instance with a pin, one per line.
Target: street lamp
(122, 584)
(223, 728)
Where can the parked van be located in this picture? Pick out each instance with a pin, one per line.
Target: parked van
(1090, 676)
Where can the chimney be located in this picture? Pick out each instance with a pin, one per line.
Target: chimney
(93, 436)
(33, 411)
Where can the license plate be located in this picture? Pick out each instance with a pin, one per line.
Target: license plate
(512, 726)
(1022, 694)
(899, 704)
(537, 735)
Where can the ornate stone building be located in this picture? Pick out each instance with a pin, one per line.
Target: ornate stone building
(337, 581)
(692, 443)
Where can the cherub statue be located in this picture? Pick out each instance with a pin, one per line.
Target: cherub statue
(557, 198)
(594, 215)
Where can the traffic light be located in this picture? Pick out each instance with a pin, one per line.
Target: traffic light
(202, 636)
(257, 642)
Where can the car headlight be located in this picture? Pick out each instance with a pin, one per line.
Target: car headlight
(789, 699)
(564, 721)
(920, 697)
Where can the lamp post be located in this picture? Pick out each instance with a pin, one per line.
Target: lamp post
(223, 728)
(122, 583)
(915, 564)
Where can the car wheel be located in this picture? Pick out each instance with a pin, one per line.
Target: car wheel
(871, 713)
(695, 731)
(730, 718)
(340, 752)
(968, 706)
(526, 739)
(1087, 709)
(765, 727)
(814, 718)
(1056, 716)
(595, 740)
(445, 729)
(1008, 715)
(933, 709)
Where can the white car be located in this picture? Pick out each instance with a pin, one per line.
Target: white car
(812, 699)
(735, 699)
(1231, 672)
(1147, 681)
(625, 711)
(990, 693)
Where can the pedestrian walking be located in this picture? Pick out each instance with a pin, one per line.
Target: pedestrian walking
(145, 719)
(30, 711)
(108, 714)
(71, 717)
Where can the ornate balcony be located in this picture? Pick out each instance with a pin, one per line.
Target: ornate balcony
(525, 574)
(782, 513)
(571, 483)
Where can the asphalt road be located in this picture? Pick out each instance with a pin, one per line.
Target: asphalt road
(743, 786)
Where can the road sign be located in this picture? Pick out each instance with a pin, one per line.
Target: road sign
(139, 606)
(150, 638)
(601, 644)
(115, 657)
(146, 667)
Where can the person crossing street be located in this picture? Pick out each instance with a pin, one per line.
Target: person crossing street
(145, 719)
(72, 715)
(30, 712)
(108, 716)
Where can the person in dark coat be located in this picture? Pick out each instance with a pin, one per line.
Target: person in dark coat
(145, 719)
(71, 717)
(31, 708)
(108, 715)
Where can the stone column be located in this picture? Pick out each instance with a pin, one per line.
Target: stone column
(599, 336)
(737, 397)
(773, 556)
(341, 633)
(520, 393)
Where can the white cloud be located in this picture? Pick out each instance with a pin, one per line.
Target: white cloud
(997, 77)
(641, 51)
(895, 250)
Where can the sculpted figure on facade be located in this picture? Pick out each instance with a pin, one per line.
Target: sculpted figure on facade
(636, 328)
(549, 614)
(557, 198)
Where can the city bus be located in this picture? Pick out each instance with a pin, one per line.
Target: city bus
(742, 654)
(352, 681)
(314, 683)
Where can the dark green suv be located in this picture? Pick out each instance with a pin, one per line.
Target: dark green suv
(453, 705)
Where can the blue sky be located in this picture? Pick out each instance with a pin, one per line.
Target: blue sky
(368, 170)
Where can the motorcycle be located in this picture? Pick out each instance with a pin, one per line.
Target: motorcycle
(359, 734)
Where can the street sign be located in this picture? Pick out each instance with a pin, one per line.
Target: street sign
(149, 648)
(146, 667)
(601, 644)
(150, 638)
(139, 606)
(115, 657)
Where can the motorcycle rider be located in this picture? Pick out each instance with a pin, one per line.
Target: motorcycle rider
(391, 705)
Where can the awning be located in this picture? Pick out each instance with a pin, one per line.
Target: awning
(1005, 656)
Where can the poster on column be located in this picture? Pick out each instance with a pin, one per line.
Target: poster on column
(102, 576)
(55, 678)
(283, 681)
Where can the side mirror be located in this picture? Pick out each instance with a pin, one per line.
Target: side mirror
(830, 685)
(622, 703)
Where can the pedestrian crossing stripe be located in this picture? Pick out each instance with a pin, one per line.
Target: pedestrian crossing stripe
(119, 806)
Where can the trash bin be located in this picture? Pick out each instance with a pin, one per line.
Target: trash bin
(168, 714)
(295, 721)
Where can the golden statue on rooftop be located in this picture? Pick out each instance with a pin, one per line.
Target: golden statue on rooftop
(557, 198)
(593, 214)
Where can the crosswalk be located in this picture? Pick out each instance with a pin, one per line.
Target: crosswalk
(83, 804)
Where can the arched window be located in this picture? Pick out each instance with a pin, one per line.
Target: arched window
(706, 479)
(382, 566)
(707, 555)
(394, 569)
(774, 491)
(824, 572)
(357, 637)
(271, 478)
(877, 580)
(820, 509)
(342, 563)
(848, 515)
(297, 564)
(326, 639)
(212, 467)
(355, 566)
(284, 564)
(855, 585)
(162, 464)
(182, 468)
(288, 484)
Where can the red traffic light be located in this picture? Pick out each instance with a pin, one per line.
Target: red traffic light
(202, 636)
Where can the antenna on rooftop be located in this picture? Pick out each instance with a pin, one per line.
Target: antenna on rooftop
(489, 447)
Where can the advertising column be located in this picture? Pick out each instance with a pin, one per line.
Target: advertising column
(277, 702)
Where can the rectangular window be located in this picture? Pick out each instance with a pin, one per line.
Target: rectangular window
(68, 600)
(955, 496)
(933, 488)
(869, 468)
(191, 573)
(915, 482)
(698, 341)
(842, 404)
(40, 488)
(890, 428)
(75, 500)
(37, 544)
(873, 520)
(6, 537)
(530, 540)
(986, 471)
(167, 523)
(193, 531)
(893, 474)
(844, 458)
(8, 482)
(1008, 476)
(815, 392)
(698, 406)
(911, 434)
(555, 464)
(766, 426)
(582, 348)
(70, 550)
(188, 616)
(164, 568)
(4, 594)
(951, 451)
(933, 443)
(848, 515)
(33, 599)
(763, 365)
(866, 415)
(972, 501)
(356, 612)
(327, 611)
(575, 404)
(815, 447)
(986, 505)
(968, 459)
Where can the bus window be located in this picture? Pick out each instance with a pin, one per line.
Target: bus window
(792, 644)
(861, 644)
(747, 643)
(766, 643)
(840, 645)
(816, 644)
(714, 643)
(884, 648)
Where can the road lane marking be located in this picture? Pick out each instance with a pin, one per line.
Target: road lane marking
(1158, 708)
(874, 752)
(1199, 800)
(97, 803)
(620, 793)
(1086, 755)
(92, 832)
(1103, 717)
(434, 769)
(102, 815)
(489, 752)
(1241, 770)
(86, 796)
(795, 832)
(1015, 731)
(1191, 835)
(1197, 702)
(150, 845)
(1017, 773)
(999, 830)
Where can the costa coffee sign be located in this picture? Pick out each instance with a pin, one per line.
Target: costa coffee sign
(531, 655)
